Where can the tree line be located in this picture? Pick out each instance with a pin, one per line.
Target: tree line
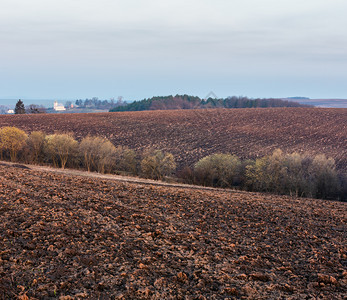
(193, 102)
(92, 153)
(20, 108)
(292, 174)
(93, 103)
(96, 103)
(163, 103)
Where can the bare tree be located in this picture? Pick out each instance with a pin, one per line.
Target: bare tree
(219, 169)
(60, 147)
(35, 145)
(36, 109)
(12, 140)
(98, 154)
(157, 164)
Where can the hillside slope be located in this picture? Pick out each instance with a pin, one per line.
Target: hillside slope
(193, 134)
(85, 237)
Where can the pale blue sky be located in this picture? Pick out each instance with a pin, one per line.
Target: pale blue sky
(71, 49)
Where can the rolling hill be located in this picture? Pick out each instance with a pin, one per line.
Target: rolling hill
(193, 134)
(68, 236)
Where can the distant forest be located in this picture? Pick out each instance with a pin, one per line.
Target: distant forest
(97, 103)
(193, 102)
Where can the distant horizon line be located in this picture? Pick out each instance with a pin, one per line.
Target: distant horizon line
(124, 99)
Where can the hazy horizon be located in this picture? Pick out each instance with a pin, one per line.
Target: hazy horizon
(139, 49)
(48, 103)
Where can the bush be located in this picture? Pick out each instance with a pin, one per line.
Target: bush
(294, 174)
(98, 154)
(106, 157)
(324, 177)
(12, 140)
(296, 181)
(220, 170)
(267, 173)
(35, 145)
(186, 174)
(125, 160)
(59, 148)
(87, 149)
(157, 164)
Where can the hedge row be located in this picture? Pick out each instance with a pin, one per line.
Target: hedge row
(287, 174)
(292, 174)
(92, 153)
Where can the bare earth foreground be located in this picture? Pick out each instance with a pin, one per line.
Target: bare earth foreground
(193, 134)
(74, 237)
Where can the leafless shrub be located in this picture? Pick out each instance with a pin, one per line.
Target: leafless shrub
(98, 154)
(157, 164)
(12, 140)
(222, 170)
(34, 146)
(125, 160)
(186, 175)
(294, 174)
(59, 148)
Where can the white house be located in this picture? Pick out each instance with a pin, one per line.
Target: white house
(10, 111)
(58, 106)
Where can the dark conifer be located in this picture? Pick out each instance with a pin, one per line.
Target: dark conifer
(19, 109)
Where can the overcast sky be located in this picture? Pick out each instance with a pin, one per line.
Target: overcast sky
(69, 49)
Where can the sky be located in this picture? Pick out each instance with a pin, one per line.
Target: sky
(77, 49)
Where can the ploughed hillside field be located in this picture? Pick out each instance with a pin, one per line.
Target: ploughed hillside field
(72, 237)
(193, 134)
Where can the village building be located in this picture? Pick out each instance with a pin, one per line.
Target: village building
(58, 106)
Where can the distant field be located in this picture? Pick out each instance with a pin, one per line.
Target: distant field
(193, 134)
(333, 103)
(88, 238)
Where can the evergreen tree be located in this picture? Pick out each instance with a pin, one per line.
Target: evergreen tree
(19, 109)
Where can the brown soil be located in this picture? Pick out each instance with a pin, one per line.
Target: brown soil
(69, 236)
(193, 134)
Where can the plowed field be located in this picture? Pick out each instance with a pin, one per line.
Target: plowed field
(193, 134)
(77, 237)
